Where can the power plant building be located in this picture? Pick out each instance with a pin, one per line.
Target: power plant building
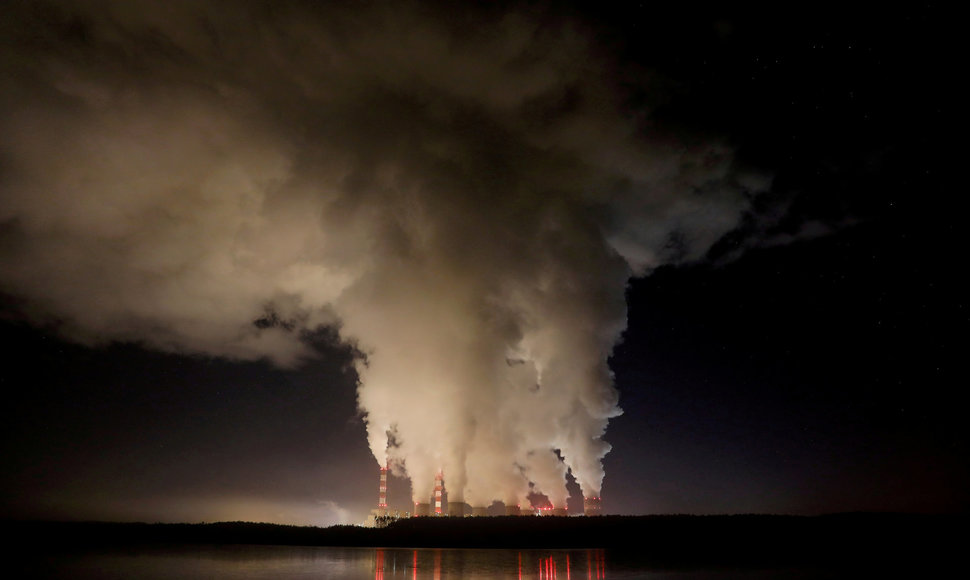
(440, 506)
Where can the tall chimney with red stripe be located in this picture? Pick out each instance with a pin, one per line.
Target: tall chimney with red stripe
(439, 493)
(382, 498)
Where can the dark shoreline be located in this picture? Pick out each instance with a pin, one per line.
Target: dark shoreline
(857, 539)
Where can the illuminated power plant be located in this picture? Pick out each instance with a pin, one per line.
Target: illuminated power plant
(440, 506)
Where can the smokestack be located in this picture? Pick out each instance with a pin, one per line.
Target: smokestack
(592, 506)
(422, 509)
(439, 493)
(382, 495)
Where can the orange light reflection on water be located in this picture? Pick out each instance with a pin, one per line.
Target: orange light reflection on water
(548, 568)
(545, 568)
(598, 559)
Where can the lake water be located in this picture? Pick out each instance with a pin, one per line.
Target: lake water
(292, 562)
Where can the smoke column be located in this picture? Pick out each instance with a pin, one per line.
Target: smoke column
(463, 193)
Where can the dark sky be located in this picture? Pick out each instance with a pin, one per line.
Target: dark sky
(802, 355)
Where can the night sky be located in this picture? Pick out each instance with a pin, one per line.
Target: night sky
(805, 357)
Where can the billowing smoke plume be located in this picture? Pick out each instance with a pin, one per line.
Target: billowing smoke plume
(463, 193)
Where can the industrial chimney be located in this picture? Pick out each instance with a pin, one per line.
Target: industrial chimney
(382, 496)
(439, 494)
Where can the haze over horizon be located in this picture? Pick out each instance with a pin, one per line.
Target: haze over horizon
(251, 251)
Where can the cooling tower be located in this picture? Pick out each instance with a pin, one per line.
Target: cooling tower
(592, 506)
(456, 509)
(511, 510)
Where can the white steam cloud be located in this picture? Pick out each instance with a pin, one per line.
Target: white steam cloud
(464, 194)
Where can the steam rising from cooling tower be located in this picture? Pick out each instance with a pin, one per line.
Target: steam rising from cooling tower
(463, 194)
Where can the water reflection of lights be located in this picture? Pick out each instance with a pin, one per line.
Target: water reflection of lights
(548, 568)
(600, 563)
(438, 564)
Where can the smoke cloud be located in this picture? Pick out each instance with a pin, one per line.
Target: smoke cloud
(464, 194)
